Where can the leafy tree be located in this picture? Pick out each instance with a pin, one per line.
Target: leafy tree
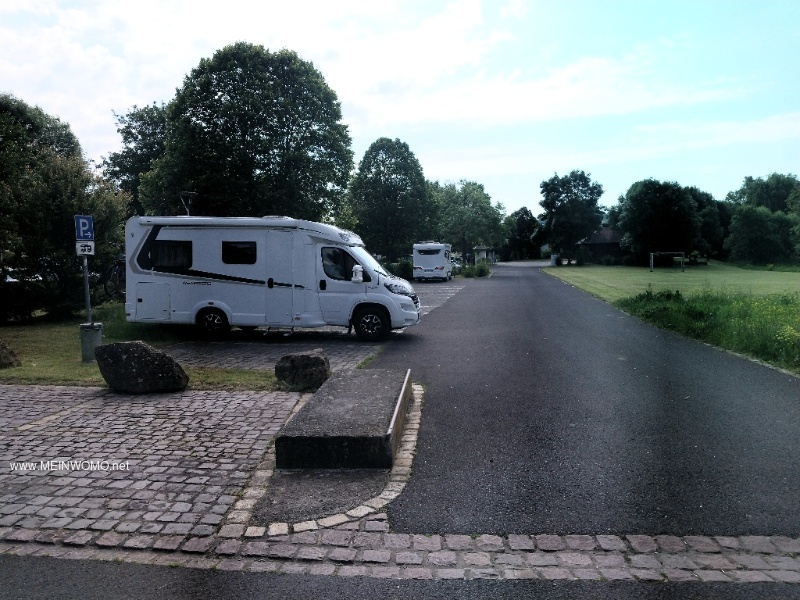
(252, 132)
(389, 198)
(711, 234)
(570, 208)
(772, 192)
(144, 133)
(658, 217)
(521, 229)
(759, 236)
(44, 182)
(467, 218)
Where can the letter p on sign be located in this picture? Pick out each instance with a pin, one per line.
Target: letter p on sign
(84, 228)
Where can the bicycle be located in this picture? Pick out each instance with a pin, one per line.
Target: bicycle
(114, 279)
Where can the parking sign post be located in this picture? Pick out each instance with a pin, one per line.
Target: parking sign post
(91, 332)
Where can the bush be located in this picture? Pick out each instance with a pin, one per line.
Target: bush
(403, 269)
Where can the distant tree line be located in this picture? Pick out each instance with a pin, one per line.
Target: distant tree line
(757, 224)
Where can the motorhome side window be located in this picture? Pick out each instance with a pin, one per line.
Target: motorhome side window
(171, 254)
(239, 253)
(425, 252)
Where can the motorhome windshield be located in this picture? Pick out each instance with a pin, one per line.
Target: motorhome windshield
(367, 260)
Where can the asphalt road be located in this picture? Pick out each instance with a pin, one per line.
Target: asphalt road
(549, 411)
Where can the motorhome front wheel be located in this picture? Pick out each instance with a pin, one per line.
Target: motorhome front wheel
(371, 324)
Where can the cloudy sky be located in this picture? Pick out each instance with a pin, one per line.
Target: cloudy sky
(502, 92)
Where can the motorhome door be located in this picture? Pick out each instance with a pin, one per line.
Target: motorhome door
(280, 277)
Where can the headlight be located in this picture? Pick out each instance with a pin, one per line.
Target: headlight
(398, 288)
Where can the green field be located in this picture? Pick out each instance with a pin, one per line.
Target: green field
(615, 283)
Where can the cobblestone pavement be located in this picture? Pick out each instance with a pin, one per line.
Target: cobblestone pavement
(86, 473)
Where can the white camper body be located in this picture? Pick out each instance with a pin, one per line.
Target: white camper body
(219, 272)
(432, 261)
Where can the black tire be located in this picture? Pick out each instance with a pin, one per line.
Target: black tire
(371, 324)
(212, 322)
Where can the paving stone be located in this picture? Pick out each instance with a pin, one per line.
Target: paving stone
(642, 543)
(701, 543)
(429, 543)
(757, 543)
(311, 553)
(459, 542)
(521, 542)
(110, 539)
(408, 558)
(785, 576)
(541, 559)
(444, 558)
(397, 540)
(489, 543)
(228, 547)
(477, 559)
(345, 555)
(334, 537)
(139, 542)
(580, 542)
(254, 548)
(376, 556)
(670, 543)
(612, 543)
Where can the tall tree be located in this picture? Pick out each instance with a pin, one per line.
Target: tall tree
(252, 132)
(711, 233)
(44, 182)
(467, 218)
(571, 211)
(521, 229)
(389, 198)
(759, 236)
(658, 217)
(144, 133)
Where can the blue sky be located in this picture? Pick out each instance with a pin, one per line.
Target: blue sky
(504, 92)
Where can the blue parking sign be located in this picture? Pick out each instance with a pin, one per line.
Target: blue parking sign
(84, 228)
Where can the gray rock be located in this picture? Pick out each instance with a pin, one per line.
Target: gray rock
(304, 370)
(138, 368)
(8, 358)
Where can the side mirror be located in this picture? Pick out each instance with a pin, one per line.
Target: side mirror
(358, 274)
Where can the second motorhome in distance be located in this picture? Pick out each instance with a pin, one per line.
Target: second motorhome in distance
(279, 272)
(432, 261)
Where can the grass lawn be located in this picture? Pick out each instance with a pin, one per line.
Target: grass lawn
(615, 283)
(51, 354)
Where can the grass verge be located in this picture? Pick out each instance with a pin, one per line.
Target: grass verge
(51, 354)
(756, 313)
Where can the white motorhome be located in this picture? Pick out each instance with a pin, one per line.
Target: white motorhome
(279, 272)
(432, 261)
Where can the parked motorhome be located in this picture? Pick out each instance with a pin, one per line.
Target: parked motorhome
(432, 261)
(279, 272)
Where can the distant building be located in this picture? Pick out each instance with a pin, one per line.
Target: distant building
(484, 253)
(605, 242)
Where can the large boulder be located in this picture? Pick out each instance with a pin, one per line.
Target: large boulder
(138, 368)
(8, 358)
(304, 370)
